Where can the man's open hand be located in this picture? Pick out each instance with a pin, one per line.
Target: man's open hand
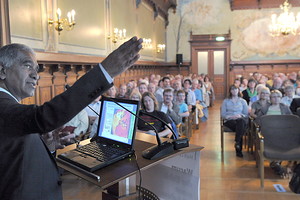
(123, 57)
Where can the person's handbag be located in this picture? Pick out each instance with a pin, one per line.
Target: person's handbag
(294, 183)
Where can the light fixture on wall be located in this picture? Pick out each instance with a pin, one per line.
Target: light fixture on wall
(220, 38)
(160, 48)
(118, 35)
(63, 23)
(147, 43)
(286, 23)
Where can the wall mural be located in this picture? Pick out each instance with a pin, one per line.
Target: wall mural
(251, 38)
(249, 30)
(198, 16)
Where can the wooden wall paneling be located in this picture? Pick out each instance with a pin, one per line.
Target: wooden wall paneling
(59, 79)
(71, 75)
(80, 70)
(267, 68)
(44, 91)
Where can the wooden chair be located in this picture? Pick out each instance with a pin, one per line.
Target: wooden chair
(185, 128)
(224, 129)
(279, 139)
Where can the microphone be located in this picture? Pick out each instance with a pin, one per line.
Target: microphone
(165, 123)
(159, 150)
(178, 143)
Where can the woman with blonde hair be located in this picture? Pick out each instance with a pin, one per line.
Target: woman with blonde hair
(149, 105)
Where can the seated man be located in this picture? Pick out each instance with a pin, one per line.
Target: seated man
(80, 122)
(93, 110)
(122, 92)
(168, 107)
(183, 107)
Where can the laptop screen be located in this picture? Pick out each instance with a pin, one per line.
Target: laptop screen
(115, 123)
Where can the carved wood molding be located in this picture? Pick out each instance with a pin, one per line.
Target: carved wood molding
(161, 7)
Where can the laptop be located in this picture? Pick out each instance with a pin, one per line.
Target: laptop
(114, 138)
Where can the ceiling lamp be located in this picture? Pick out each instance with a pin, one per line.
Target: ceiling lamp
(286, 23)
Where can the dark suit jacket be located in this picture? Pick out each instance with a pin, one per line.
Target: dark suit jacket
(27, 169)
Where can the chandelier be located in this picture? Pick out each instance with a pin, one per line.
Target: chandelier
(286, 23)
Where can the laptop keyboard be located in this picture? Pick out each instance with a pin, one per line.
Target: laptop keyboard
(100, 151)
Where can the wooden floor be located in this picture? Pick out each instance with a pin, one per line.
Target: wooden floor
(233, 179)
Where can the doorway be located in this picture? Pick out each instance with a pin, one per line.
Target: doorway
(212, 57)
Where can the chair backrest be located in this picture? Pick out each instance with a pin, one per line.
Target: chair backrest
(298, 111)
(281, 131)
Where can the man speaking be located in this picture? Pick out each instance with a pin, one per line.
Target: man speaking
(27, 169)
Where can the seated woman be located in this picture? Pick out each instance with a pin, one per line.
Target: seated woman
(250, 91)
(149, 105)
(275, 108)
(135, 95)
(264, 96)
(234, 111)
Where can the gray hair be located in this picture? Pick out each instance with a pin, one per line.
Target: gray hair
(9, 53)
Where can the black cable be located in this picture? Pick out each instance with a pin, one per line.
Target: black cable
(93, 110)
(140, 174)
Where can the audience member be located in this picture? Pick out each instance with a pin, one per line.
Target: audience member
(165, 83)
(80, 122)
(289, 95)
(149, 105)
(168, 107)
(277, 85)
(264, 94)
(135, 95)
(250, 91)
(93, 110)
(190, 95)
(237, 82)
(244, 83)
(183, 107)
(275, 108)
(152, 88)
(122, 92)
(234, 111)
(142, 88)
(111, 92)
(210, 90)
